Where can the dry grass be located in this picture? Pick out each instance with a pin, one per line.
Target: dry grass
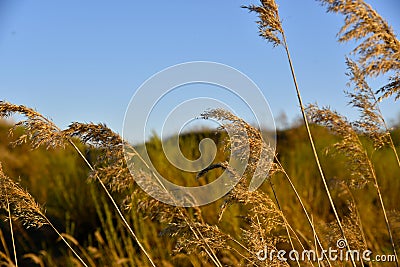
(263, 215)
(22, 206)
(41, 131)
(379, 50)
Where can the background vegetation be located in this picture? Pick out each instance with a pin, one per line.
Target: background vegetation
(331, 179)
(58, 178)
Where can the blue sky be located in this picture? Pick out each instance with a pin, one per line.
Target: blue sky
(83, 60)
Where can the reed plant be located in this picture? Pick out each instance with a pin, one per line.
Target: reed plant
(234, 230)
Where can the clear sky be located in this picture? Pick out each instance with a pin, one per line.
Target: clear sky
(83, 60)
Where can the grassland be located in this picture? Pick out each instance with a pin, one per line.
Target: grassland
(67, 197)
(59, 179)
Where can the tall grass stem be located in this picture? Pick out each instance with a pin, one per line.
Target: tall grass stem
(314, 150)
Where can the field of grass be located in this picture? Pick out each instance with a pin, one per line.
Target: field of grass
(68, 198)
(59, 179)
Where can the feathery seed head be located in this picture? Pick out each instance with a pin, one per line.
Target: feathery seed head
(21, 204)
(269, 25)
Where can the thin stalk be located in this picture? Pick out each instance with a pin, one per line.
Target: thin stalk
(302, 205)
(378, 190)
(65, 241)
(314, 150)
(238, 243)
(284, 219)
(297, 196)
(296, 235)
(391, 144)
(359, 219)
(12, 233)
(210, 253)
(244, 257)
(315, 245)
(259, 227)
(251, 252)
(393, 147)
(301, 244)
(6, 253)
(378, 109)
(113, 203)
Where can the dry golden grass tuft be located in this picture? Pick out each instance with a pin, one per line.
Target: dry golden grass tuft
(20, 203)
(269, 25)
(379, 51)
(39, 130)
(263, 217)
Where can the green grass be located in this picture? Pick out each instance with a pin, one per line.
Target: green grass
(57, 178)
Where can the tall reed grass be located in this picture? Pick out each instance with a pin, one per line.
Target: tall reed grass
(355, 201)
